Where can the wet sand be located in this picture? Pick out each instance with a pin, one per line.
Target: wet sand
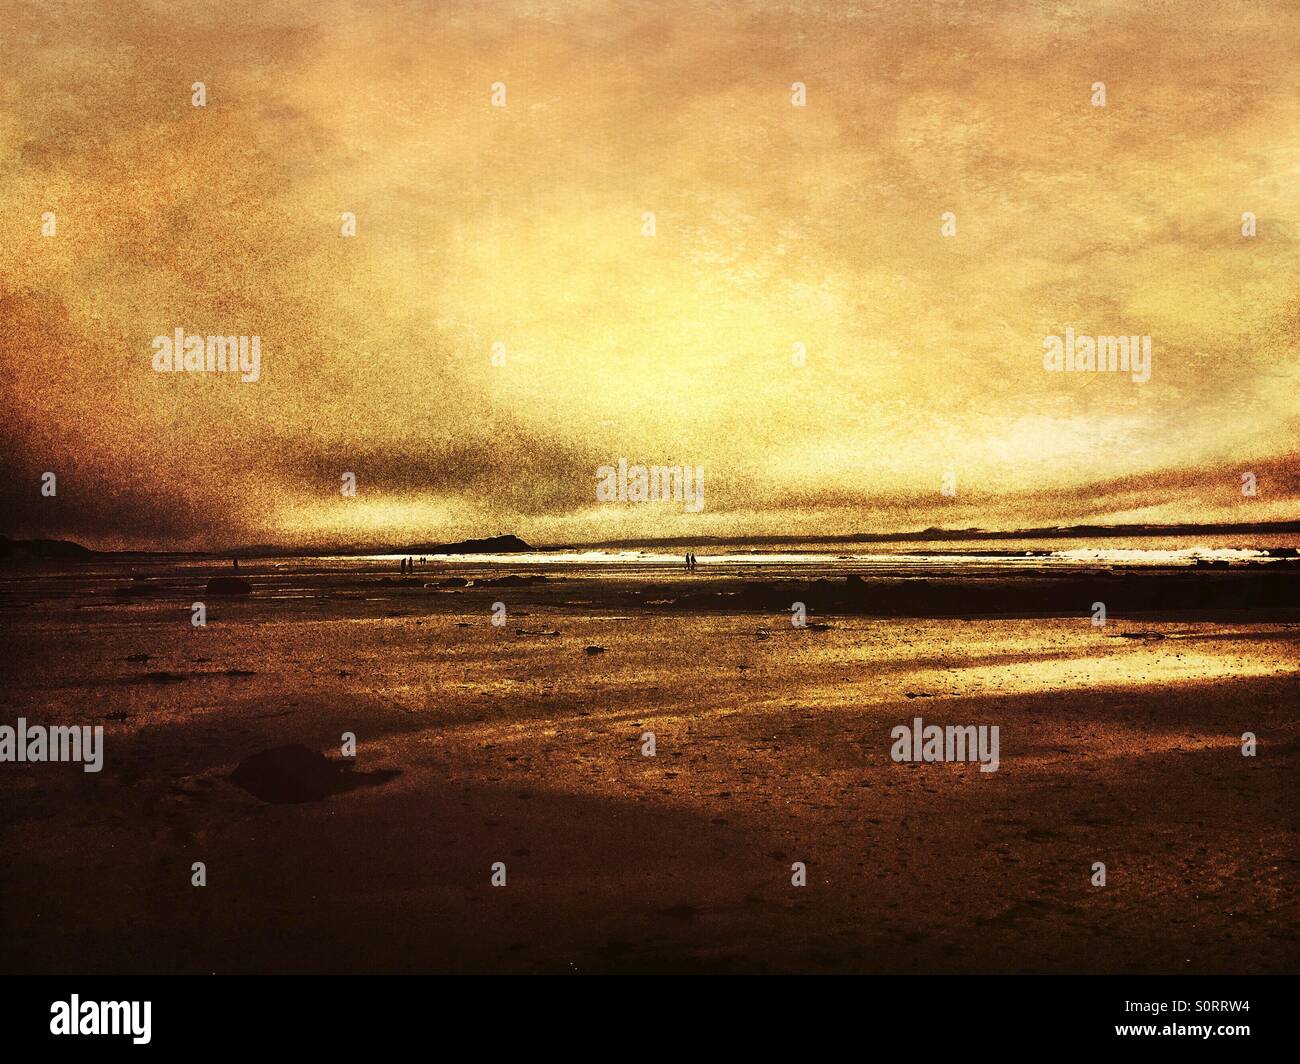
(1118, 744)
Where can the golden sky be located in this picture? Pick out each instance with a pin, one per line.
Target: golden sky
(775, 225)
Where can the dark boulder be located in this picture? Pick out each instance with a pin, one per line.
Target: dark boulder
(133, 590)
(514, 581)
(290, 774)
(228, 585)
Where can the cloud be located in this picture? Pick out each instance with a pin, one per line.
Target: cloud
(522, 226)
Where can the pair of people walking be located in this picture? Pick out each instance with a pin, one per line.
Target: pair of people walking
(690, 563)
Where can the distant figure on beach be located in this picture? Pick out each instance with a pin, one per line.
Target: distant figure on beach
(690, 562)
(403, 566)
(235, 562)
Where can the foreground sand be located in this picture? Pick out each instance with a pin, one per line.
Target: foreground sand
(519, 747)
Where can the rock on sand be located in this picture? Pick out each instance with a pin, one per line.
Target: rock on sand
(228, 585)
(294, 773)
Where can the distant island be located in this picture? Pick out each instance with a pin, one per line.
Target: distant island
(491, 545)
(59, 550)
(44, 550)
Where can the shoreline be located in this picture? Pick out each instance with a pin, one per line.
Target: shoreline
(516, 743)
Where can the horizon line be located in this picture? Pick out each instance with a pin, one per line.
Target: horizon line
(929, 534)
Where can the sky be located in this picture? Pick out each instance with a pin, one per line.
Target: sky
(524, 226)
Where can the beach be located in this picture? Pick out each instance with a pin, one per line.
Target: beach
(523, 744)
